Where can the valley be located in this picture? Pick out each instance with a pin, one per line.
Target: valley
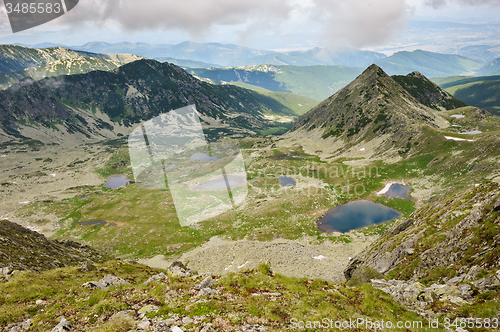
(63, 137)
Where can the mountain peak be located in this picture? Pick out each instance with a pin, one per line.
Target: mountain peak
(374, 70)
(372, 105)
(427, 92)
(417, 74)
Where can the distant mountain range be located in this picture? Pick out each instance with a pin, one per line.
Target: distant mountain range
(314, 57)
(207, 55)
(429, 64)
(214, 53)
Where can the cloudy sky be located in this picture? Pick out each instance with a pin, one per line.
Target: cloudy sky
(266, 24)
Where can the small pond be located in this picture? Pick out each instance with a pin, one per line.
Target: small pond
(203, 157)
(116, 181)
(95, 223)
(398, 191)
(286, 181)
(353, 215)
(220, 183)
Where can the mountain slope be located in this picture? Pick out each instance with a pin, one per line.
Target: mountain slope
(66, 66)
(374, 105)
(132, 93)
(23, 249)
(429, 64)
(428, 93)
(450, 237)
(14, 58)
(316, 82)
(490, 69)
(483, 92)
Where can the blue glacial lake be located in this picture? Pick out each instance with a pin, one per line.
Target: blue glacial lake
(286, 181)
(353, 215)
(116, 181)
(398, 191)
(220, 184)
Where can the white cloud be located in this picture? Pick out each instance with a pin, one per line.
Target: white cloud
(475, 3)
(355, 23)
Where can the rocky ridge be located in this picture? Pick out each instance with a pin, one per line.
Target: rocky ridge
(23, 249)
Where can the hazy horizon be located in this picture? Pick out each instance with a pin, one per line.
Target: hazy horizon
(384, 26)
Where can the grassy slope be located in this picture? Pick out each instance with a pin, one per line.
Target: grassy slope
(481, 91)
(298, 104)
(91, 310)
(450, 79)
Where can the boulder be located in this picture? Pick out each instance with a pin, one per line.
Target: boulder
(147, 309)
(106, 282)
(487, 284)
(63, 326)
(208, 282)
(156, 277)
(496, 205)
(145, 324)
(207, 291)
(363, 275)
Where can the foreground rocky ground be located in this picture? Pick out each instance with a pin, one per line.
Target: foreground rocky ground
(126, 296)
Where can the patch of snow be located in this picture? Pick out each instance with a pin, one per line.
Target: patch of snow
(227, 268)
(3, 156)
(458, 116)
(362, 149)
(27, 202)
(458, 139)
(53, 175)
(239, 267)
(472, 132)
(320, 257)
(386, 188)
